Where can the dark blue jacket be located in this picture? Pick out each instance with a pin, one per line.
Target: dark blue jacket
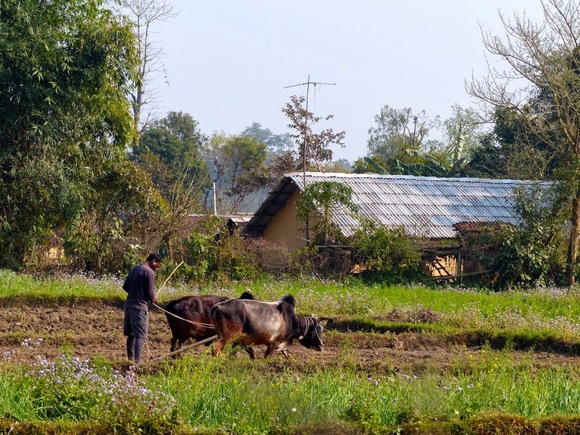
(139, 287)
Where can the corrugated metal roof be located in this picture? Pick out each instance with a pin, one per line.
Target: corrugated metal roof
(425, 206)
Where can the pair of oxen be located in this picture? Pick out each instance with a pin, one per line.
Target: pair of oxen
(242, 322)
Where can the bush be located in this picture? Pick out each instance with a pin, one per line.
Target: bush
(531, 252)
(215, 252)
(388, 252)
(270, 257)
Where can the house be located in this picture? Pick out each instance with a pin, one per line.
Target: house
(426, 207)
(195, 222)
(232, 222)
(237, 222)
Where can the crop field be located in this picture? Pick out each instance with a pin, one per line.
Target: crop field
(396, 360)
(89, 329)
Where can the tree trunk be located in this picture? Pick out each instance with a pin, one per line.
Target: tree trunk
(574, 240)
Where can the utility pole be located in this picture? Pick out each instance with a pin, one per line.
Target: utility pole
(306, 136)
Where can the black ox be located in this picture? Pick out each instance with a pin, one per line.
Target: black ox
(189, 317)
(274, 324)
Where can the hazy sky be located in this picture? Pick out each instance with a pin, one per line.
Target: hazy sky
(229, 63)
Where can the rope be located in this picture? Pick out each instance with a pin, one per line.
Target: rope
(170, 275)
(203, 325)
(307, 326)
(310, 321)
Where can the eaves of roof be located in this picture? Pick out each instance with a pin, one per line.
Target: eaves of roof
(425, 206)
(274, 202)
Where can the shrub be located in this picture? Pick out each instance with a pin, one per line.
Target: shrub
(325, 198)
(531, 252)
(270, 257)
(213, 251)
(387, 251)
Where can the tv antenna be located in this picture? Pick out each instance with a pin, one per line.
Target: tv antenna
(307, 84)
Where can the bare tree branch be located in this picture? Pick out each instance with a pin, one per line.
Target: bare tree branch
(542, 59)
(145, 15)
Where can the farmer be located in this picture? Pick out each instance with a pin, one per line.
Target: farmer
(140, 292)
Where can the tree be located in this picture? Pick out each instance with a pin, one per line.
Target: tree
(463, 132)
(543, 60)
(238, 169)
(326, 198)
(399, 143)
(65, 69)
(531, 252)
(179, 144)
(171, 152)
(144, 14)
(397, 129)
(509, 152)
(373, 165)
(279, 154)
(314, 148)
(434, 164)
(340, 165)
(101, 238)
(276, 143)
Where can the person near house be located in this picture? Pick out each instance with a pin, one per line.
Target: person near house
(140, 289)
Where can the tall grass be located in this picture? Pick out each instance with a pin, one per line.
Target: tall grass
(74, 390)
(552, 310)
(242, 396)
(355, 298)
(251, 397)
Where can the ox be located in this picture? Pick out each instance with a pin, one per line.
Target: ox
(189, 317)
(274, 324)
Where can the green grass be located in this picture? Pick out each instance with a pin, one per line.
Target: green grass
(331, 298)
(545, 310)
(250, 396)
(257, 397)
(69, 288)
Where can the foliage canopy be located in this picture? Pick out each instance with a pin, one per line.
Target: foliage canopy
(65, 69)
(541, 86)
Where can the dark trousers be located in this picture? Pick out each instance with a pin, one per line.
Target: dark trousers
(135, 327)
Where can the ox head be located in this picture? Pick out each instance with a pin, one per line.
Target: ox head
(312, 336)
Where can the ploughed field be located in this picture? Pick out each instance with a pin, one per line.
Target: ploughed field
(88, 329)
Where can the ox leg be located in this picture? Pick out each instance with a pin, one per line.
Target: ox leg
(269, 351)
(217, 347)
(175, 344)
(250, 352)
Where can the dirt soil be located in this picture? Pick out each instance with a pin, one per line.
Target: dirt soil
(90, 329)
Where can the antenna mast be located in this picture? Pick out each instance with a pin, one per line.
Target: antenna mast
(306, 137)
(307, 84)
